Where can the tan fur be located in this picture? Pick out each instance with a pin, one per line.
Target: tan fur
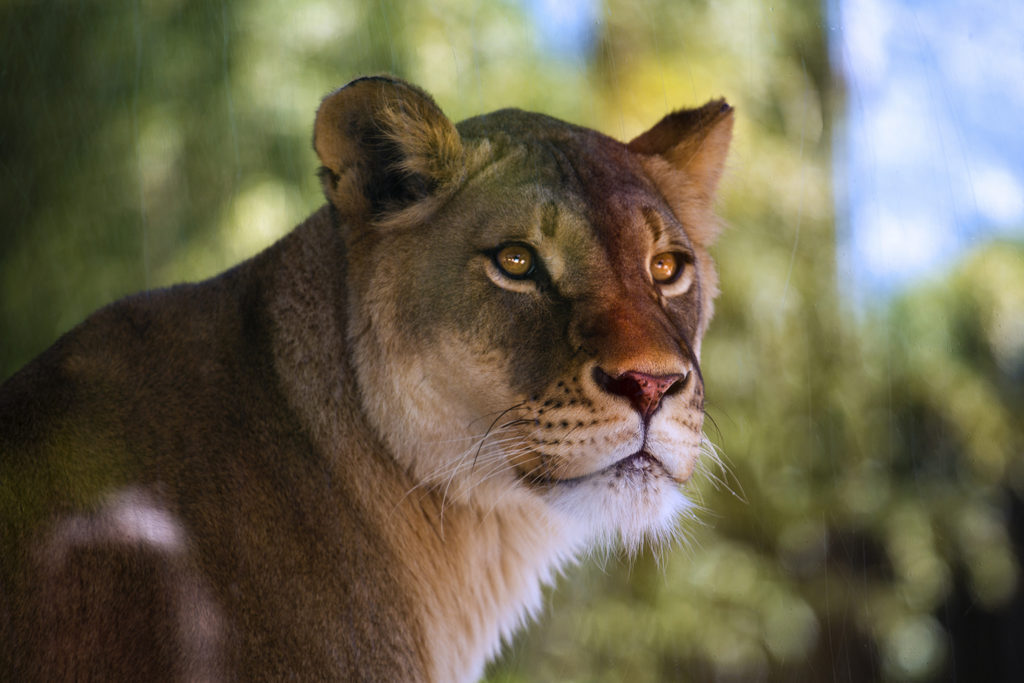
(361, 454)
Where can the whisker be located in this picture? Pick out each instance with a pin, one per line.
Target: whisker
(450, 469)
(713, 454)
(501, 453)
(517, 422)
(500, 415)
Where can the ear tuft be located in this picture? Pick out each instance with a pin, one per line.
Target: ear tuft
(384, 145)
(686, 153)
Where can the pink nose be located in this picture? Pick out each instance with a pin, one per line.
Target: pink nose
(643, 391)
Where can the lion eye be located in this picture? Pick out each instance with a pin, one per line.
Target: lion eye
(665, 267)
(515, 260)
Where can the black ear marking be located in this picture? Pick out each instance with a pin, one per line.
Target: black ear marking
(384, 144)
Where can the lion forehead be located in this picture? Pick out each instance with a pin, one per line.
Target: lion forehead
(550, 176)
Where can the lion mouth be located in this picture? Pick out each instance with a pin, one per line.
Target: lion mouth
(639, 463)
(641, 460)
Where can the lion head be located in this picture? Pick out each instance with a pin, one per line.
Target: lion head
(527, 300)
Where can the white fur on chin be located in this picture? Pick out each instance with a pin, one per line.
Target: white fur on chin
(631, 508)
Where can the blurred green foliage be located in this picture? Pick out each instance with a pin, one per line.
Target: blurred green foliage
(873, 468)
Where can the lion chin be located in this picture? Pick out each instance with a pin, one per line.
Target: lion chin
(631, 503)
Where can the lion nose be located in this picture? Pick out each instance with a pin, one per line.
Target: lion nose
(644, 391)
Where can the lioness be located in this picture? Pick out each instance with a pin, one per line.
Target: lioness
(360, 454)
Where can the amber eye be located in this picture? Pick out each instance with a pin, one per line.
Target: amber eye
(665, 267)
(515, 260)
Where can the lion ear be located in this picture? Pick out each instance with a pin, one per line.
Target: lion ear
(695, 143)
(384, 145)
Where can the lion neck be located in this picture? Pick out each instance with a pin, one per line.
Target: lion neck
(477, 568)
(481, 578)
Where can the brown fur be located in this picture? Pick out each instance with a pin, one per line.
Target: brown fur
(360, 454)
